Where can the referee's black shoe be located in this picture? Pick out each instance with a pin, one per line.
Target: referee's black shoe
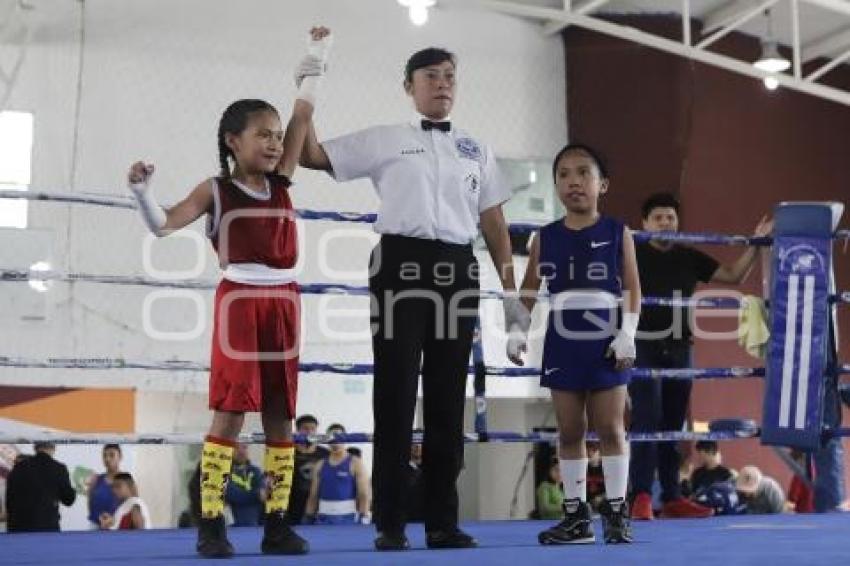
(615, 522)
(576, 528)
(212, 539)
(453, 538)
(391, 541)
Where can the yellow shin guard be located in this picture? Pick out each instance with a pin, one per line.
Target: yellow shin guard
(279, 467)
(216, 460)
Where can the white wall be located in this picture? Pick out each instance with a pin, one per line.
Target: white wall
(496, 472)
(151, 79)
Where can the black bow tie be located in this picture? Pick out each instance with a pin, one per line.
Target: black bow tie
(442, 126)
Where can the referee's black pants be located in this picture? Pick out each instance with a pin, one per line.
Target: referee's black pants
(424, 307)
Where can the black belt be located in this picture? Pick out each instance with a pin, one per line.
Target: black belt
(414, 243)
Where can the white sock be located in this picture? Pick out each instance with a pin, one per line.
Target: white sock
(574, 477)
(616, 472)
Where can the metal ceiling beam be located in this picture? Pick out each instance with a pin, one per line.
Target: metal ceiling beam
(581, 7)
(657, 42)
(841, 6)
(827, 45)
(725, 14)
(797, 65)
(833, 63)
(743, 17)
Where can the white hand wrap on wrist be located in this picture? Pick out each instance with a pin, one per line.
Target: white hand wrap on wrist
(152, 214)
(515, 312)
(623, 344)
(630, 323)
(309, 89)
(517, 342)
(318, 50)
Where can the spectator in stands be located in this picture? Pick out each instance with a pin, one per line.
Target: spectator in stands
(245, 492)
(801, 496)
(550, 494)
(416, 493)
(669, 269)
(339, 492)
(100, 495)
(132, 512)
(761, 494)
(709, 469)
(306, 457)
(354, 451)
(35, 487)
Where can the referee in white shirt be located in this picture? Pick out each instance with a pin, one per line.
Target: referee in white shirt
(436, 183)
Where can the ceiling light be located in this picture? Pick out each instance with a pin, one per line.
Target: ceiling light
(417, 10)
(771, 61)
(771, 83)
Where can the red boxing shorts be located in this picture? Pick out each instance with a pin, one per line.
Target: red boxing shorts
(255, 346)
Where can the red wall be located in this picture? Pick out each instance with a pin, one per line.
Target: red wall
(729, 148)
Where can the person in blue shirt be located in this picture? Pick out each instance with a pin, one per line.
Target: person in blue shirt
(100, 495)
(245, 490)
(339, 493)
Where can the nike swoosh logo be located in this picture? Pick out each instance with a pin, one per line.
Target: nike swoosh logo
(595, 245)
(548, 371)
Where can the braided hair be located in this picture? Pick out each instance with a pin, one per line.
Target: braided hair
(233, 121)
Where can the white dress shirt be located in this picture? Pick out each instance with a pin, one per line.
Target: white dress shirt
(432, 184)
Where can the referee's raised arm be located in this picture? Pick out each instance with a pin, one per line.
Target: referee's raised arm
(313, 156)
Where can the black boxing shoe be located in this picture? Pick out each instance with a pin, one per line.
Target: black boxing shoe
(212, 539)
(279, 538)
(391, 541)
(576, 528)
(453, 538)
(615, 522)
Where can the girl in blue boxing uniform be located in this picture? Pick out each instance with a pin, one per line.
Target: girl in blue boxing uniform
(588, 262)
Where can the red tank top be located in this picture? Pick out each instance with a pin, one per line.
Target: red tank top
(126, 522)
(259, 228)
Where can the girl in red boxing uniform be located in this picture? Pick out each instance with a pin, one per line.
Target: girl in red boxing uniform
(254, 365)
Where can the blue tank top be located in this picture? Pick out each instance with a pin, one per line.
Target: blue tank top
(587, 259)
(337, 483)
(101, 499)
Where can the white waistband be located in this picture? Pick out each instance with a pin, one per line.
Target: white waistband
(345, 507)
(581, 300)
(258, 274)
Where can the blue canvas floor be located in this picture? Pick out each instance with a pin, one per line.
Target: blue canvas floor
(720, 541)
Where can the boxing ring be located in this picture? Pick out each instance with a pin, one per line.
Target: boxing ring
(802, 380)
(735, 540)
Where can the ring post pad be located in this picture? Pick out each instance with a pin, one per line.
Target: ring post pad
(801, 277)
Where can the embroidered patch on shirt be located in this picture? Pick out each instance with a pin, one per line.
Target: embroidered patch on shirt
(472, 181)
(468, 148)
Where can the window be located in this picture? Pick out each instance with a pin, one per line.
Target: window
(16, 133)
